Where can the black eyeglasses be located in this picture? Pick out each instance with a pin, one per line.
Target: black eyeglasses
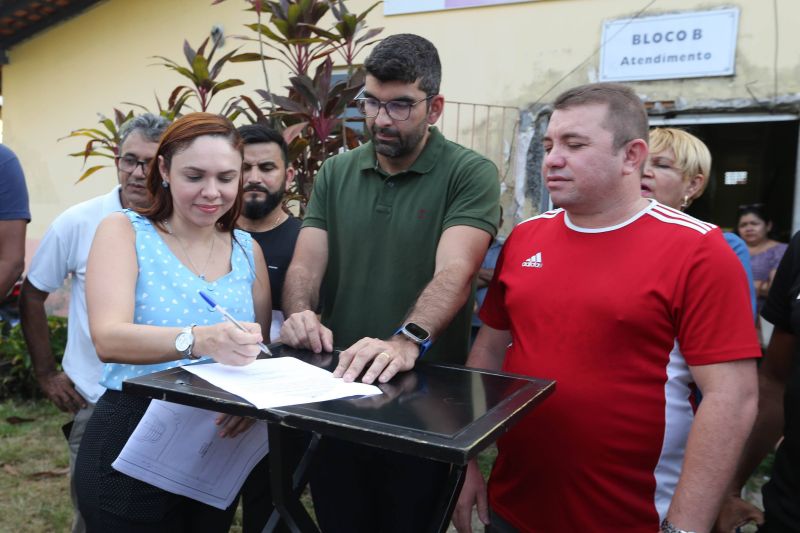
(396, 109)
(129, 163)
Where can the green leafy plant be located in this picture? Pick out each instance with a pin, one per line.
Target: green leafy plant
(103, 141)
(312, 120)
(346, 36)
(311, 112)
(203, 73)
(16, 370)
(290, 33)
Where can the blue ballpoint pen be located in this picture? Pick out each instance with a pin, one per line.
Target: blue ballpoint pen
(230, 318)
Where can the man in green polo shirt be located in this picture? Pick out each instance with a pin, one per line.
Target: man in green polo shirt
(394, 234)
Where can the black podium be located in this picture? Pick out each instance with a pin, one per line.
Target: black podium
(447, 413)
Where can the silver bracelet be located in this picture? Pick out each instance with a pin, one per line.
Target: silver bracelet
(667, 527)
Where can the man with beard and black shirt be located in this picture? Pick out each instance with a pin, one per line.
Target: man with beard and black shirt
(267, 176)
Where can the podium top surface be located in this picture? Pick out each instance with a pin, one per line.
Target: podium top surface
(443, 412)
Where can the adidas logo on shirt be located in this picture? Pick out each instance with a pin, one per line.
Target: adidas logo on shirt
(534, 261)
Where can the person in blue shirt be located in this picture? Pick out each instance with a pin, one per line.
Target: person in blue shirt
(144, 272)
(14, 217)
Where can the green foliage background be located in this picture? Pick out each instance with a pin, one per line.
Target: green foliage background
(16, 370)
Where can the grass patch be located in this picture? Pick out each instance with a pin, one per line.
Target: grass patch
(33, 469)
(34, 460)
(36, 503)
(486, 460)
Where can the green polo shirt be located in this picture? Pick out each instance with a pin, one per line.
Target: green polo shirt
(383, 231)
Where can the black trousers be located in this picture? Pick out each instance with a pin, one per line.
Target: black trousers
(774, 527)
(256, 492)
(114, 502)
(361, 489)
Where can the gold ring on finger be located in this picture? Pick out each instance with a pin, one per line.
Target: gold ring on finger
(384, 353)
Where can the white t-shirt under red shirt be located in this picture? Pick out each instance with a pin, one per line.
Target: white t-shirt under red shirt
(615, 316)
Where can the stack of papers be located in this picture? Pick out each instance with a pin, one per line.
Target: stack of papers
(178, 448)
(280, 381)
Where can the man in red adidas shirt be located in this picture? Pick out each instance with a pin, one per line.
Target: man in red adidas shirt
(627, 304)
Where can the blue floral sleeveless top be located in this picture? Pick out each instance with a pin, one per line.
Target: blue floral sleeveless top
(167, 293)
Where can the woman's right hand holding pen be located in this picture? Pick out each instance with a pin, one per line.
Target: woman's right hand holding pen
(228, 345)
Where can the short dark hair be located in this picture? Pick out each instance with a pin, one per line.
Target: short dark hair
(406, 57)
(626, 117)
(149, 126)
(261, 133)
(757, 209)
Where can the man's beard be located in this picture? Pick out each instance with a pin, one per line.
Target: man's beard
(401, 145)
(257, 208)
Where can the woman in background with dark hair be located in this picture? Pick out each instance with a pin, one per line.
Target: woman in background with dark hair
(754, 226)
(143, 276)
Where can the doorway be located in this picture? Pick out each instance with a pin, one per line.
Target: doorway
(754, 160)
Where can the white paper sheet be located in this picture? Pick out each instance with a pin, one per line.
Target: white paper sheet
(280, 381)
(178, 448)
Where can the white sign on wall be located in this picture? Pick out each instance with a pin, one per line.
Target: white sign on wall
(398, 7)
(684, 45)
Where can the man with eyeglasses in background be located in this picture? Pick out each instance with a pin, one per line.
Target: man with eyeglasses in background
(394, 234)
(63, 251)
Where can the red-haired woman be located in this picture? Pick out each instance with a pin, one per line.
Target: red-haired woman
(143, 276)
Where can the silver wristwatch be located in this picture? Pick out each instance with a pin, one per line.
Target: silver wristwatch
(667, 527)
(184, 342)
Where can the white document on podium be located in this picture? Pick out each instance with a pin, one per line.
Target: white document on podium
(178, 448)
(280, 381)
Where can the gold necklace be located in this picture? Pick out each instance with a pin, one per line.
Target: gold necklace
(200, 273)
(278, 221)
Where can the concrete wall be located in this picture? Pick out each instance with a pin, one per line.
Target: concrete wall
(517, 55)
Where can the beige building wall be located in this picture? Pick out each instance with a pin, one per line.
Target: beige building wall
(60, 79)
(517, 54)
(514, 55)
(527, 53)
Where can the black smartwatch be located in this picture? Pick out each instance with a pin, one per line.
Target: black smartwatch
(416, 334)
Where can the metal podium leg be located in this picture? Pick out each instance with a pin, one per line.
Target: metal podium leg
(447, 502)
(301, 473)
(287, 485)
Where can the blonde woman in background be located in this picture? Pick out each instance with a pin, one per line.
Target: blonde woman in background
(676, 174)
